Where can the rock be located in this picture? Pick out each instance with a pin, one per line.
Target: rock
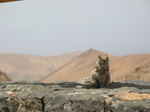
(129, 106)
(125, 96)
(74, 101)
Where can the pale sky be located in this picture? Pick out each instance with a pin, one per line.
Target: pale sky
(53, 27)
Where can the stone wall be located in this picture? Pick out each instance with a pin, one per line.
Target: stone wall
(126, 96)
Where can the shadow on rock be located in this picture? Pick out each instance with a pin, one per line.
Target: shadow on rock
(71, 85)
(136, 84)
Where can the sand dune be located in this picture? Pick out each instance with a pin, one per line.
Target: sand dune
(27, 67)
(81, 66)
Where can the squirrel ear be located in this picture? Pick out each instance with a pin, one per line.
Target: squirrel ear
(107, 57)
(99, 56)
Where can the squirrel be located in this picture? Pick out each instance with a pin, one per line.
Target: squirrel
(100, 74)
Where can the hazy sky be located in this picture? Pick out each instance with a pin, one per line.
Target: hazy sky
(52, 27)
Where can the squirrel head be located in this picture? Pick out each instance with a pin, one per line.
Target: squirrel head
(103, 61)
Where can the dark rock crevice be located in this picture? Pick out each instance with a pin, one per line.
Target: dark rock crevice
(43, 104)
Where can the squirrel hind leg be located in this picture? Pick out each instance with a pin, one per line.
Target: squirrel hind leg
(96, 84)
(107, 81)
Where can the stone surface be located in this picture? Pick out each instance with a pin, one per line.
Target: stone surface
(74, 97)
(129, 106)
(74, 101)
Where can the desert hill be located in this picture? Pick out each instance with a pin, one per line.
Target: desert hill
(140, 73)
(3, 77)
(28, 67)
(81, 66)
(124, 65)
